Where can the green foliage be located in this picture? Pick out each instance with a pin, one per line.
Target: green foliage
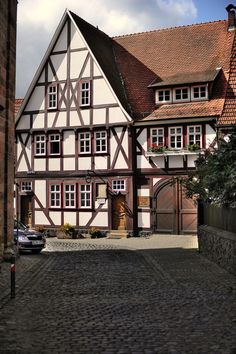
(67, 228)
(95, 232)
(215, 176)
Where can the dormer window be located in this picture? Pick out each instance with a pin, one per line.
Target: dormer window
(181, 94)
(199, 92)
(163, 96)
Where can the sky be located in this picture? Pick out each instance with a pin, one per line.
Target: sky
(37, 21)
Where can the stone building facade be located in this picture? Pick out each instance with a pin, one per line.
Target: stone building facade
(8, 10)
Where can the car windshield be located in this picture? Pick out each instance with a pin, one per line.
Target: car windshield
(21, 226)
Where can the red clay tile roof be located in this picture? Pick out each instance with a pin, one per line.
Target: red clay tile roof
(162, 54)
(18, 102)
(228, 116)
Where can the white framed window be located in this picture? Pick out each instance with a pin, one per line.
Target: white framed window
(175, 138)
(52, 97)
(54, 144)
(100, 140)
(26, 186)
(55, 196)
(69, 195)
(199, 92)
(195, 135)
(85, 196)
(118, 185)
(181, 94)
(163, 96)
(84, 143)
(84, 93)
(157, 136)
(40, 145)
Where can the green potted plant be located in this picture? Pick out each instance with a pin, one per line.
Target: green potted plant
(193, 147)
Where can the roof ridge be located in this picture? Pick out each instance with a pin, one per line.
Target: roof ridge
(166, 29)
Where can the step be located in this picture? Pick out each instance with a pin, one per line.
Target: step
(117, 234)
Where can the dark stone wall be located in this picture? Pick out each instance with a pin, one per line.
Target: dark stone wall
(8, 11)
(219, 246)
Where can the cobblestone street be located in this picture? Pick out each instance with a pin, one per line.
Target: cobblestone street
(119, 297)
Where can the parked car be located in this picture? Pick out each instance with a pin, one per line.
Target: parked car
(28, 239)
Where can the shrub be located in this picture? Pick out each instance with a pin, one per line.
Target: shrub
(68, 229)
(95, 232)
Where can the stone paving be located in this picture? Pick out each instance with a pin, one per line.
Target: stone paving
(131, 296)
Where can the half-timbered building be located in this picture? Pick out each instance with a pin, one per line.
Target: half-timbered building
(109, 125)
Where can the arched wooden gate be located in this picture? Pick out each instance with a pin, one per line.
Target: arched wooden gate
(172, 212)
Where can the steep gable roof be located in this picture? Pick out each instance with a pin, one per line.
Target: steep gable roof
(163, 55)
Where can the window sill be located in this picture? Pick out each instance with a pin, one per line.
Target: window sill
(180, 152)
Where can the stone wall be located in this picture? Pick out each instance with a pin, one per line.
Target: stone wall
(7, 100)
(219, 246)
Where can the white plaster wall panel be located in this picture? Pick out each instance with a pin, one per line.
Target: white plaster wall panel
(113, 146)
(42, 77)
(22, 166)
(143, 192)
(50, 119)
(40, 218)
(69, 143)
(38, 121)
(96, 70)
(18, 148)
(143, 220)
(102, 93)
(104, 206)
(84, 218)
(28, 151)
(61, 120)
(70, 217)
(158, 161)
(24, 122)
(142, 139)
(156, 180)
(61, 43)
(40, 191)
(99, 116)
(76, 63)
(210, 135)
(62, 102)
(86, 116)
(74, 119)
(116, 115)
(36, 101)
(101, 220)
(191, 160)
(142, 162)
(39, 164)
(69, 164)
(54, 164)
(120, 162)
(59, 62)
(56, 217)
(84, 163)
(76, 39)
(176, 161)
(36, 204)
(100, 162)
(86, 72)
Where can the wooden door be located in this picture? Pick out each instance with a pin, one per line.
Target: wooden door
(175, 214)
(26, 210)
(118, 212)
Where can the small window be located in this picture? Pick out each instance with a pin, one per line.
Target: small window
(85, 93)
(52, 97)
(199, 92)
(84, 143)
(100, 139)
(118, 185)
(181, 94)
(40, 145)
(69, 195)
(195, 135)
(26, 186)
(175, 138)
(157, 137)
(55, 196)
(163, 96)
(85, 196)
(54, 143)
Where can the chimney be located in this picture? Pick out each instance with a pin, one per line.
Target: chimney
(231, 17)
